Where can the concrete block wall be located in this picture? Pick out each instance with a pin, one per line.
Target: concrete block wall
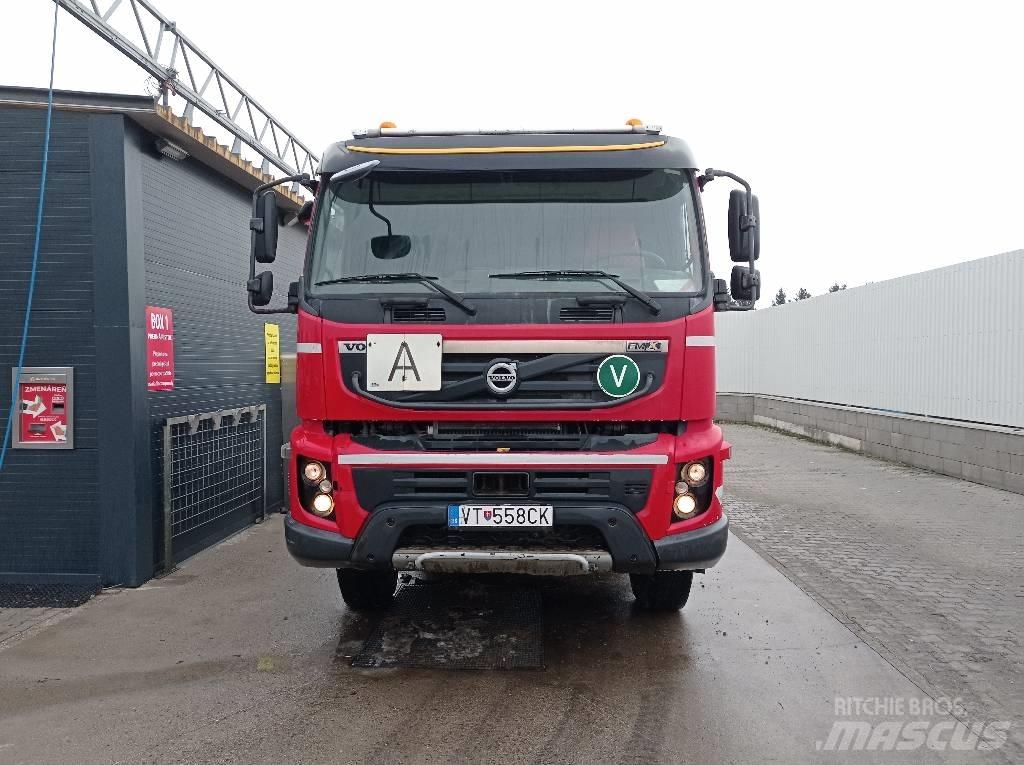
(985, 454)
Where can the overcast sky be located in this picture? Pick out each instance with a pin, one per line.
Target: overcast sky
(883, 139)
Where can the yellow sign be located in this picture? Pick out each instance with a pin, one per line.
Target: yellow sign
(272, 344)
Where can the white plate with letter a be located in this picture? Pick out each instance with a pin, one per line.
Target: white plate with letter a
(403, 362)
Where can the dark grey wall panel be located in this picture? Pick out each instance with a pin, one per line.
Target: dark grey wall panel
(196, 239)
(48, 517)
(123, 228)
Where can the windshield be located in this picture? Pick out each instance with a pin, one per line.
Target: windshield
(465, 227)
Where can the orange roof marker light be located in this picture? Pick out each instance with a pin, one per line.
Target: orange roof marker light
(634, 122)
(386, 124)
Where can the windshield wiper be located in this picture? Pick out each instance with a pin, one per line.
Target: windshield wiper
(430, 281)
(652, 305)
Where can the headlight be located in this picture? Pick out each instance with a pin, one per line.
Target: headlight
(694, 473)
(685, 506)
(326, 486)
(314, 472)
(323, 505)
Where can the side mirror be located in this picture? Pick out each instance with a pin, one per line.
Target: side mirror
(744, 228)
(264, 228)
(390, 247)
(261, 288)
(305, 212)
(744, 284)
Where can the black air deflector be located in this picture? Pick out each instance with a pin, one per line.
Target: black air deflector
(416, 315)
(488, 483)
(588, 314)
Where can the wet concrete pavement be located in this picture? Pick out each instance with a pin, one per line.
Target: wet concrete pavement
(242, 656)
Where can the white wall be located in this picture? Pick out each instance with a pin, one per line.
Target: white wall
(944, 343)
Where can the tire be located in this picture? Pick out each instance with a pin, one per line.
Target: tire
(662, 590)
(367, 590)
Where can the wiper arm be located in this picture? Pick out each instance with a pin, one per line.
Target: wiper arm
(652, 305)
(429, 281)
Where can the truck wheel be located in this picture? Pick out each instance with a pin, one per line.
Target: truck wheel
(662, 590)
(367, 590)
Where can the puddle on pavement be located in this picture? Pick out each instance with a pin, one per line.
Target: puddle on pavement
(504, 622)
(457, 623)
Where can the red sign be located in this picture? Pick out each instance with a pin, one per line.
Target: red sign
(160, 347)
(44, 412)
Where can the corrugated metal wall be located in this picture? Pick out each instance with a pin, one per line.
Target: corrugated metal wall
(943, 343)
(196, 242)
(61, 334)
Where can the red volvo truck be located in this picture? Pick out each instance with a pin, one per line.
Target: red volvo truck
(506, 357)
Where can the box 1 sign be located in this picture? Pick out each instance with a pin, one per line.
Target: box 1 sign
(160, 347)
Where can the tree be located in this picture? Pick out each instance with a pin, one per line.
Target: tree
(802, 294)
(780, 297)
(837, 287)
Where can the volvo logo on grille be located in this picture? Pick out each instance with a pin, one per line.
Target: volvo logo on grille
(501, 377)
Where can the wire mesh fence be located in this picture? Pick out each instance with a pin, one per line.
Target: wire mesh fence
(214, 467)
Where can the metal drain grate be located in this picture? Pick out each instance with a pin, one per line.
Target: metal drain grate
(45, 595)
(458, 625)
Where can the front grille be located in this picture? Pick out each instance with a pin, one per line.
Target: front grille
(490, 436)
(378, 486)
(555, 487)
(546, 381)
(575, 379)
(588, 314)
(554, 537)
(513, 436)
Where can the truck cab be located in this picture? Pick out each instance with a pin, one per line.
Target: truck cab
(506, 358)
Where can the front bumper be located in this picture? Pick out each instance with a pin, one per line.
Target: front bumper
(630, 548)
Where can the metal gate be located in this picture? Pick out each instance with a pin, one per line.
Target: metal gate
(214, 476)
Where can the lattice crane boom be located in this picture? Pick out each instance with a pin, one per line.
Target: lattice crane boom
(183, 69)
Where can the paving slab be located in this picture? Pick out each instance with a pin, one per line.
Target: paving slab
(928, 569)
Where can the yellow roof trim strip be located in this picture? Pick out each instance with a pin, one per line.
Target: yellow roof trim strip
(505, 149)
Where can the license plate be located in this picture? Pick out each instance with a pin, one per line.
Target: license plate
(494, 516)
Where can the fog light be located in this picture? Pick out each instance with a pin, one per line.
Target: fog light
(685, 506)
(314, 472)
(694, 473)
(323, 505)
(326, 486)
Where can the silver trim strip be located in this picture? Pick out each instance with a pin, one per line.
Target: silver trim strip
(552, 346)
(500, 458)
(308, 348)
(700, 341)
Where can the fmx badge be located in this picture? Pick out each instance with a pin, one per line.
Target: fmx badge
(618, 376)
(403, 362)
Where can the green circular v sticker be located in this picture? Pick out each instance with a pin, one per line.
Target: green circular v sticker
(618, 376)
